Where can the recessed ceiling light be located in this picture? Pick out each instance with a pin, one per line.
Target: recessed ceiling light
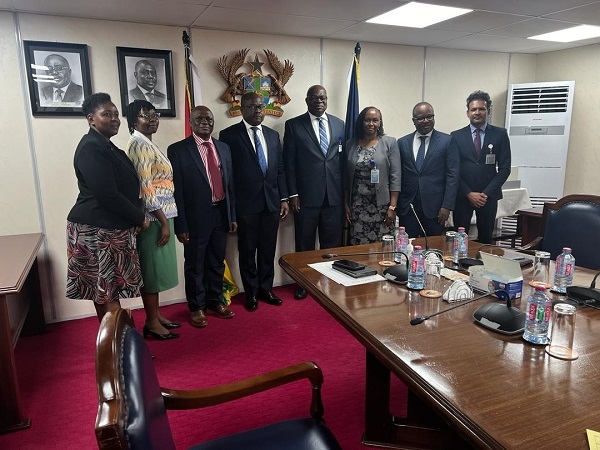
(570, 34)
(418, 15)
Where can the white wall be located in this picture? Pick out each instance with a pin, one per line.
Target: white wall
(393, 78)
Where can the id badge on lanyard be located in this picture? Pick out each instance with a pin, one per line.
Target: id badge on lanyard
(374, 172)
(490, 158)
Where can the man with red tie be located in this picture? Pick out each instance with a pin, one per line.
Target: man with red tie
(204, 194)
(484, 167)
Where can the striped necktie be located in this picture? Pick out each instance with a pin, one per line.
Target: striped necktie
(477, 141)
(262, 161)
(323, 136)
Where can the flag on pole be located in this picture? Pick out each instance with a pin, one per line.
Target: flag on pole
(352, 109)
(193, 92)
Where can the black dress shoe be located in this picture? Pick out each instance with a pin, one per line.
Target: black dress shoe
(163, 337)
(300, 294)
(171, 325)
(251, 303)
(269, 297)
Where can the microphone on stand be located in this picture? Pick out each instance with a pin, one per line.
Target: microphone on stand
(439, 253)
(396, 274)
(418, 320)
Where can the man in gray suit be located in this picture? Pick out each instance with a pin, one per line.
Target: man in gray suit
(430, 174)
(62, 90)
(145, 75)
(312, 156)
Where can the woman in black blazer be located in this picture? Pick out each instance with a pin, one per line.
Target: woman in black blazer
(103, 263)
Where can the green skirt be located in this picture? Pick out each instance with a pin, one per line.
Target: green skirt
(159, 264)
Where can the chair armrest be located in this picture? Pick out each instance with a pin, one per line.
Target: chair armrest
(531, 246)
(200, 398)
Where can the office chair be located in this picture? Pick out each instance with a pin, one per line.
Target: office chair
(573, 221)
(132, 406)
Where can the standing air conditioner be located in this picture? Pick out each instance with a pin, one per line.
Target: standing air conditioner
(538, 120)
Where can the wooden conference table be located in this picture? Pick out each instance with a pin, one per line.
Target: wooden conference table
(468, 386)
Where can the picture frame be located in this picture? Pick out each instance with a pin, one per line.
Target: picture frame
(58, 76)
(146, 74)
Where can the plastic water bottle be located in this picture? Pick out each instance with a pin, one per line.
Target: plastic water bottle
(416, 269)
(564, 269)
(537, 316)
(401, 243)
(461, 245)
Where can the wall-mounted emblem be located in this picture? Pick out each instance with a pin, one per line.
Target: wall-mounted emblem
(266, 85)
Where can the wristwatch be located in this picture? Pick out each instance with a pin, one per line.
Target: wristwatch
(393, 208)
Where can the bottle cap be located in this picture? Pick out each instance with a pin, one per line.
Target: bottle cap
(540, 288)
(461, 228)
(418, 247)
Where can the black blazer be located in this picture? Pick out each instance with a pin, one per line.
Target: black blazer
(254, 192)
(437, 183)
(308, 172)
(109, 187)
(193, 195)
(475, 174)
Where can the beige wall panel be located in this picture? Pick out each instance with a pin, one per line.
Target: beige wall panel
(583, 66)
(451, 75)
(18, 200)
(522, 68)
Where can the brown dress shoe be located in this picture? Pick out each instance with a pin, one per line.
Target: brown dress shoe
(199, 319)
(220, 311)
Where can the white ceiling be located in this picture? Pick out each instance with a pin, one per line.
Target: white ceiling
(494, 25)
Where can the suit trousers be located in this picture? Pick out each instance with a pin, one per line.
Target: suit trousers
(329, 220)
(409, 221)
(204, 257)
(257, 242)
(486, 218)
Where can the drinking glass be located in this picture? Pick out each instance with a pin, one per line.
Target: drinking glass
(387, 249)
(563, 332)
(541, 269)
(449, 245)
(433, 277)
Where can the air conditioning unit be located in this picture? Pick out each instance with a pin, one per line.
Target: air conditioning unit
(538, 120)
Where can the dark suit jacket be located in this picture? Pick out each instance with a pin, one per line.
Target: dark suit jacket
(74, 93)
(437, 183)
(475, 174)
(309, 174)
(109, 187)
(192, 191)
(161, 99)
(254, 192)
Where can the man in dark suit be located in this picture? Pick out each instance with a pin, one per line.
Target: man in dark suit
(202, 175)
(145, 75)
(484, 167)
(62, 89)
(261, 198)
(430, 175)
(312, 155)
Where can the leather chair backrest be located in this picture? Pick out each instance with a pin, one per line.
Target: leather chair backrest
(146, 425)
(575, 224)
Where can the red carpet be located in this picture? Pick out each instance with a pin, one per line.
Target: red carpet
(58, 392)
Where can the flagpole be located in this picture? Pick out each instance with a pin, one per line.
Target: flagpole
(352, 108)
(188, 69)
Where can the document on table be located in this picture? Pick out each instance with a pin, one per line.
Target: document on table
(593, 439)
(340, 278)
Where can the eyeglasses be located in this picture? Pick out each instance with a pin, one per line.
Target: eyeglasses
(424, 118)
(254, 107)
(57, 68)
(150, 116)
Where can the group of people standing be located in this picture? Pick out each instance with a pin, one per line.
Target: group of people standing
(131, 205)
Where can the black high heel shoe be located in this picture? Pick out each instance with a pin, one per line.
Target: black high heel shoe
(171, 325)
(163, 337)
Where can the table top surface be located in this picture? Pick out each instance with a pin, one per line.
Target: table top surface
(17, 254)
(498, 390)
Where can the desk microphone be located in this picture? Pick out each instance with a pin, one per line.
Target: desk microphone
(396, 274)
(418, 320)
(439, 253)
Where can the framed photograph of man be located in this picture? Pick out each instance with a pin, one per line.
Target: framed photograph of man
(146, 75)
(58, 76)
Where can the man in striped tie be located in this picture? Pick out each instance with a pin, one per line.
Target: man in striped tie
(313, 155)
(261, 198)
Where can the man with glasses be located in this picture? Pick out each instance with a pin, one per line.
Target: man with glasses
(261, 198)
(62, 91)
(313, 155)
(430, 175)
(146, 78)
(484, 167)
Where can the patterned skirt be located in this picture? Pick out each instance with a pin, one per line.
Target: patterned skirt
(102, 264)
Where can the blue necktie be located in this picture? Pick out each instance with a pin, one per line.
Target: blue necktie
(323, 136)
(421, 153)
(262, 161)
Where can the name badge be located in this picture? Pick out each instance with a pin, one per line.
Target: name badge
(374, 176)
(490, 158)
(340, 145)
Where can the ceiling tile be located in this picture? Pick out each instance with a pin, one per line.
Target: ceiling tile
(523, 7)
(531, 27)
(589, 14)
(485, 42)
(478, 21)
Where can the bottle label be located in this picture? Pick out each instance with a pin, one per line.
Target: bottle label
(539, 313)
(414, 264)
(547, 312)
(568, 269)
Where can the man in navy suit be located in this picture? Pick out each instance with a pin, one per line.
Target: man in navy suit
(202, 175)
(261, 198)
(430, 175)
(312, 155)
(484, 167)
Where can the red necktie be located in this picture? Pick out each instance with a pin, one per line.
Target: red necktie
(214, 172)
(477, 142)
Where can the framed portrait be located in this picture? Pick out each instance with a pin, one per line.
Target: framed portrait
(59, 77)
(146, 75)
